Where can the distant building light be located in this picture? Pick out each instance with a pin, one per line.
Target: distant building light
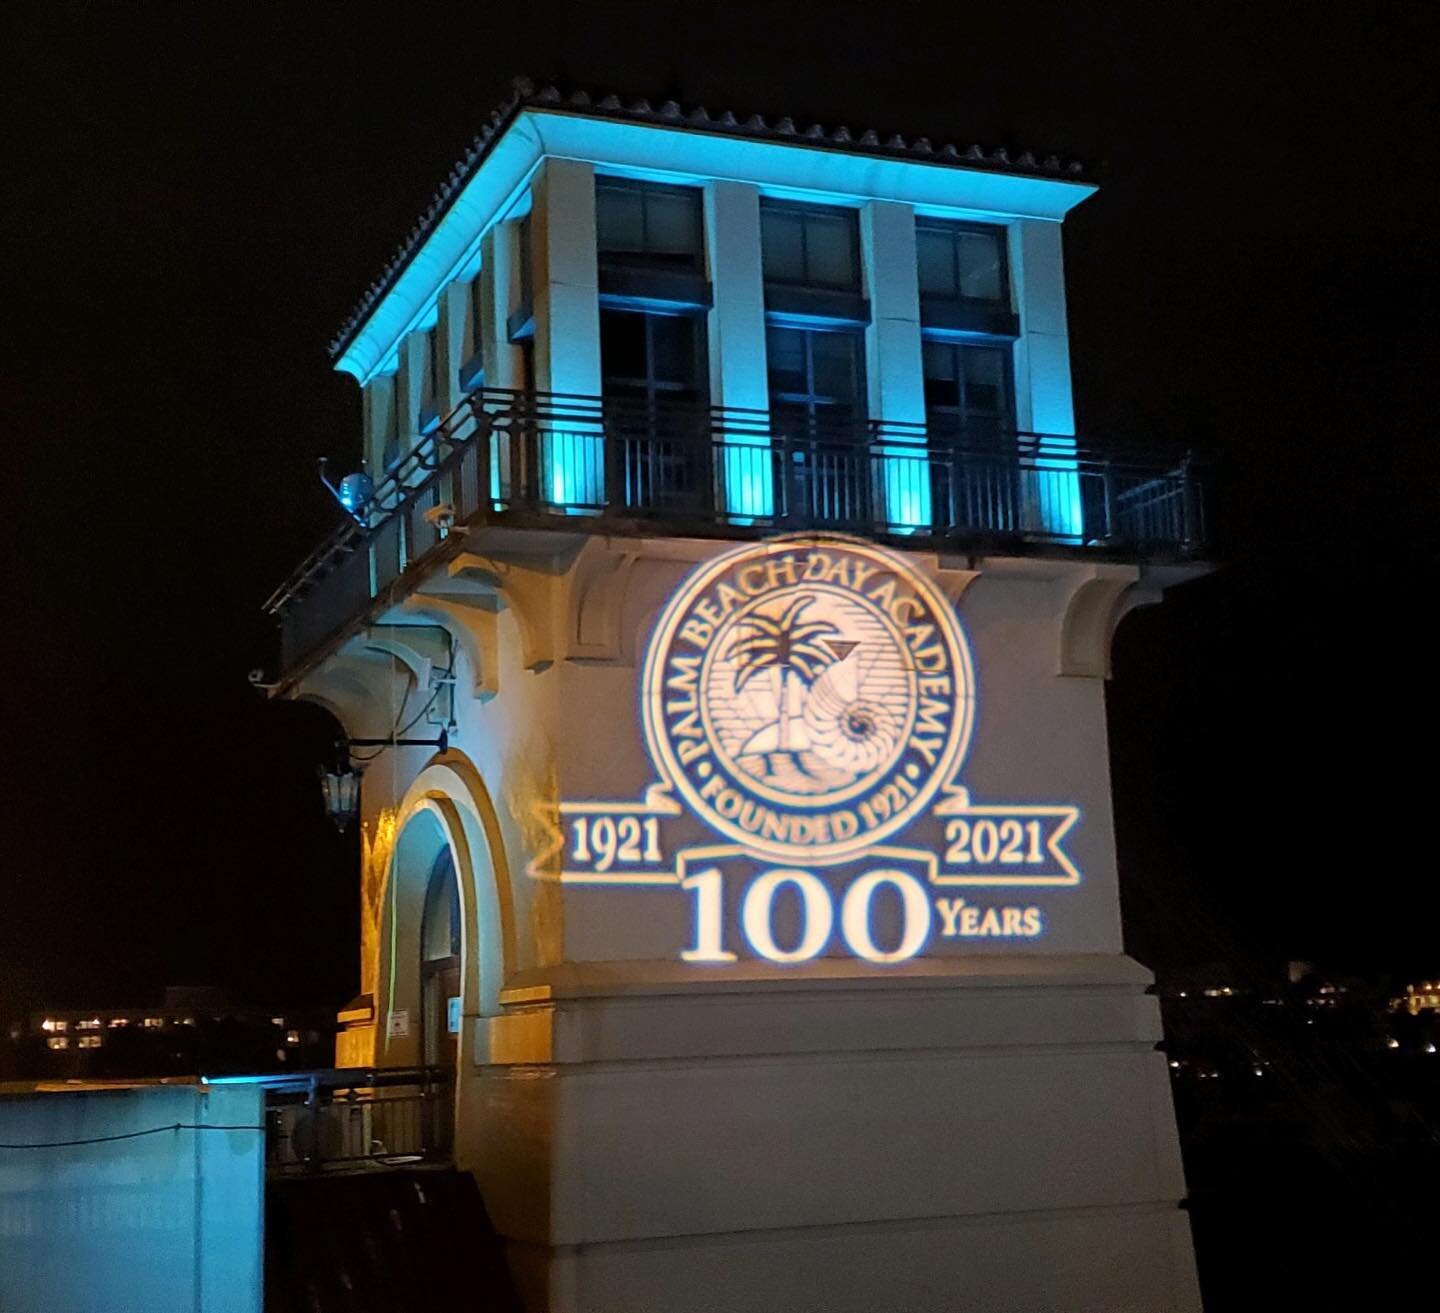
(1430, 1047)
(91, 1041)
(1259, 1071)
(153, 1023)
(292, 1036)
(58, 1041)
(117, 1022)
(277, 1021)
(187, 1021)
(1392, 1043)
(90, 1023)
(1174, 1064)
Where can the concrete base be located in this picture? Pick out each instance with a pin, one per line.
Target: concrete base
(993, 1133)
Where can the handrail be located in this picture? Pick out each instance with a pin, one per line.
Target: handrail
(616, 465)
(339, 1118)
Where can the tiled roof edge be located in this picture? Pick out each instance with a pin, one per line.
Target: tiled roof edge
(525, 95)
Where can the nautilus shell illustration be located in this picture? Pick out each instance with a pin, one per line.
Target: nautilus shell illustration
(845, 729)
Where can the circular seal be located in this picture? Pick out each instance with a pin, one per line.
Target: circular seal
(807, 696)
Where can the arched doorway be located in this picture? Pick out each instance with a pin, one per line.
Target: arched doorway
(440, 985)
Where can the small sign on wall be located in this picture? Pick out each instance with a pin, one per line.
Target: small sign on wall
(452, 1014)
(398, 1024)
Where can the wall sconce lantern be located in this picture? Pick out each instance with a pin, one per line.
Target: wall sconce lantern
(340, 785)
(340, 788)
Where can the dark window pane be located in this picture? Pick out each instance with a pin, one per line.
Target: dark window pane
(939, 358)
(672, 223)
(985, 390)
(618, 223)
(837, 369)
(783, 246)
(673, 341)
(935, 254)
(979, 256)
(622, 345)
(786, 351)
(830, 255)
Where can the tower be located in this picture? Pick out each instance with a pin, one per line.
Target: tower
(728, 515)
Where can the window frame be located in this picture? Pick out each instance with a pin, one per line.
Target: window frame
(653, 390)
(816, 411)
(806, 210)
(956, 422)
(644, 189)
(954, 229)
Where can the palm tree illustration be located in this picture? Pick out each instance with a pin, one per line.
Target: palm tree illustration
(782, 645)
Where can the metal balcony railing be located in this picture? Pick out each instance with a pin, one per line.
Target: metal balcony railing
(316, 1120)
(618, 466)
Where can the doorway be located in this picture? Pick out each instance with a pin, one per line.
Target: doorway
(440, 995)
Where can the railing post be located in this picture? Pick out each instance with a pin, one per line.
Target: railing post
(1189, 510)
(312, 1128)
(1107, 493)
(612, 465)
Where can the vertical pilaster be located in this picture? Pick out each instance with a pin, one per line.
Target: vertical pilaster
(1043, 397)
(450, 341)
(409, 381)
(736, 339)
(567, 325)
(503, 363)
(379, 408)
(894, 374)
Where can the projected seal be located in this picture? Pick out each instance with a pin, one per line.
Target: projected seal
(808, 696)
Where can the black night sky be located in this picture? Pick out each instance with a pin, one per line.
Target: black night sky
(195, 195)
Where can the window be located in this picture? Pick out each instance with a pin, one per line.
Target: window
(58, 1041)
(473, 347)
(654, 383)
(810, 246)
(648, 357)
(975, 482)
(90, 1041)
(961, 262)
(815, 374)
(646, 225)
(817, 388)
(967, 389)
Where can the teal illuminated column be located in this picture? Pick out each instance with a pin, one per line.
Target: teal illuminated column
(895, 375)
(738, 378)
(567, 328)
(1042, 379)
